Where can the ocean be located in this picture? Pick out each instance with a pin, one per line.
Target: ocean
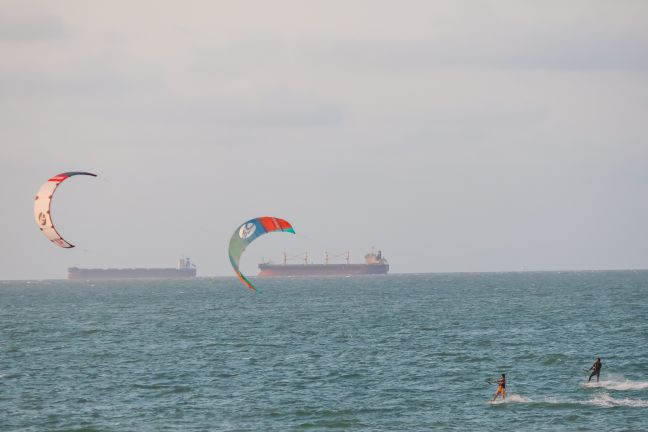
(379, 353)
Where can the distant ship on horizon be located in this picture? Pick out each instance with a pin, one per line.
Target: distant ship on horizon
(184, 269)
(375, 264)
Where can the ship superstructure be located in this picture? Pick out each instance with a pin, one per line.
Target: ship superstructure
(374, 263)
(184, 269)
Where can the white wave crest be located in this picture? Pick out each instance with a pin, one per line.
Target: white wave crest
(616, 382)
(513, 398)
(606, 401)
(602, 400)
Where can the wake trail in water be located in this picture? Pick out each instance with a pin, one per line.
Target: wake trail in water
(602, 400)
(616, 382)
(513, 398)
(606, 401)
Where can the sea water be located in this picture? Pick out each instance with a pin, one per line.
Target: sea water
(380, 353)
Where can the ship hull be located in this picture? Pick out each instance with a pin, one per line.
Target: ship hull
(130, 273)
(322, 269)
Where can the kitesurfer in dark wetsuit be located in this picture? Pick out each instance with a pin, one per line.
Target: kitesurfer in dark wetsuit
(596, 369)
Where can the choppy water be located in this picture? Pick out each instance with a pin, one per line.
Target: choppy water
(397, 353)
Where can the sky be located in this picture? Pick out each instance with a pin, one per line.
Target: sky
(452, 135)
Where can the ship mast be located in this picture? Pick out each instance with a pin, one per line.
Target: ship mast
(348, 257)
(285, 260)
(326, 258)
(306, 257)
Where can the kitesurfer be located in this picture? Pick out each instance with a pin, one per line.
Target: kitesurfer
(501, 388)
(596, 369)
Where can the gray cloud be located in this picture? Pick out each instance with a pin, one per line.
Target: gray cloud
(551, 53)
(550, 46)
(34, 27)
(34, 84)
(265, 111)
(148, 101)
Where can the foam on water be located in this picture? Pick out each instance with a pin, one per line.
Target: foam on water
(616, 382)
(606, 401)
(603, 400)
(513, 398)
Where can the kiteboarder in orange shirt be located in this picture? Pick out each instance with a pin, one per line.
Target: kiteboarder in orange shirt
(501, 388)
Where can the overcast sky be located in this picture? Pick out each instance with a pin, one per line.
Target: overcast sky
(453, 135)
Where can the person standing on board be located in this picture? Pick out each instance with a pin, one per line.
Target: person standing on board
(501, 388)
(596, 369)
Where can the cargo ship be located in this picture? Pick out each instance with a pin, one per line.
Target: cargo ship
(374, 264)
(184, 269)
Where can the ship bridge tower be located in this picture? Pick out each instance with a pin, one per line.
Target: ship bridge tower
(185, 263)
(373, 258)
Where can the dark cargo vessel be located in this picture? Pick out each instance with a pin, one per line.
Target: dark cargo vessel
(374, 264)
(184, 269)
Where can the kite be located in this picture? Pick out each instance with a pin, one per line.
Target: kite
(247, 233)
(43, 203)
